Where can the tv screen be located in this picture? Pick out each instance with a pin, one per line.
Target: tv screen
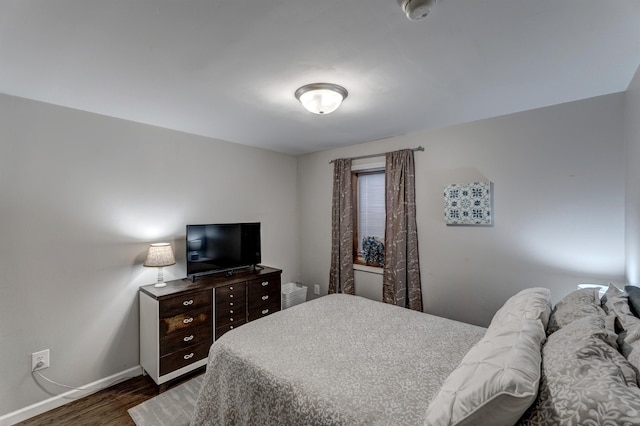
(222, 247)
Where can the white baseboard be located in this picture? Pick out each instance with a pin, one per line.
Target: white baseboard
(67, 397)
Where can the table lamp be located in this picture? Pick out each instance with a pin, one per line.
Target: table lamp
(159, 256)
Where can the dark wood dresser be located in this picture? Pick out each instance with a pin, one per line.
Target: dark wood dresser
(179, 322)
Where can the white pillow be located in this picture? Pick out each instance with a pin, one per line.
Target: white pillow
(496, 381)
(530, 303)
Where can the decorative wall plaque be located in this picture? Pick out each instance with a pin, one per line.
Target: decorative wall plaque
(468, 203)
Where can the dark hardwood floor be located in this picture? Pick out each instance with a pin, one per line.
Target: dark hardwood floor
(106, 407)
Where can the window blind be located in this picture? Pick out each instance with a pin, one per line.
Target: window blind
(371, 208)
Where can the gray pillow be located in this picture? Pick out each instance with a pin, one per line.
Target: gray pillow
(629, 343)
(607, 300)
(577, 304)
(615, 302)
(585, 381)
(634, 298)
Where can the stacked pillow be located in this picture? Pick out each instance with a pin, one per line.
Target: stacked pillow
(579, 304)
(532, 303)
(498, 378)
(584, 379)
(586, 360)
(590, 364)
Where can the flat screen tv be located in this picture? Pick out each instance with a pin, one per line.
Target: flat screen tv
(222, 247)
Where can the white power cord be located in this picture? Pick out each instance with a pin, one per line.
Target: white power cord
(53, 382)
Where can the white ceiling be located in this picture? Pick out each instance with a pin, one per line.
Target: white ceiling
(228, 69)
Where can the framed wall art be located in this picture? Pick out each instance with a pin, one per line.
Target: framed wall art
(468, 203)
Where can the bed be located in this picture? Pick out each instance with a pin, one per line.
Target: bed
(346, 360)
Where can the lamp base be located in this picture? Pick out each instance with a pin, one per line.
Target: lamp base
(160, 282)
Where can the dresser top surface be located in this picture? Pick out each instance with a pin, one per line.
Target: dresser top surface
(205, 282)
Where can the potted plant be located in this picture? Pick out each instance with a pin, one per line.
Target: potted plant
(373, 251)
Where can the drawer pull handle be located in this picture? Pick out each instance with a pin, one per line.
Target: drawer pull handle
(188, 302)
(188, 338)
(230, 327)
(265, 283)
(187, 320)
(231, 304)
(230, 312)
(265, 311)
(231, 296)
(189, 356)
(231, 319)
(265, 297)
(230, 288)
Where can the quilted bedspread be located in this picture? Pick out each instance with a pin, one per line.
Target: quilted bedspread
(336, 360)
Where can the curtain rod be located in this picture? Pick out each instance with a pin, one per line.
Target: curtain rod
(420, 148)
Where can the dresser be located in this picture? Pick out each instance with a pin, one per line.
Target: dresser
(179, 322)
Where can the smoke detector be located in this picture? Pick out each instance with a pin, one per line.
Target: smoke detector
(417, 9)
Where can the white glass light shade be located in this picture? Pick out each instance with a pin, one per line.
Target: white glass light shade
(321, 98)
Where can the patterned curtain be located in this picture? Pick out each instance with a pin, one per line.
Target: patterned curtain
(401, 277)
(341, 273)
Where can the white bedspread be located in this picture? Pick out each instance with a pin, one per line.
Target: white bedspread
(336, 360)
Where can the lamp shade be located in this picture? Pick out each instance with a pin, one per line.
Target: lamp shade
(321, 98)
(159, 255)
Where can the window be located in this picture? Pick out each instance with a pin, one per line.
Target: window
(368, 187)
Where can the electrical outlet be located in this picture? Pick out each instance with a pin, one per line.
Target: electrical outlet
(316, 289)
(40, 357)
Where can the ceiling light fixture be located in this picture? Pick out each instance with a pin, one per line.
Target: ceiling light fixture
(417, 9)
(321, 98)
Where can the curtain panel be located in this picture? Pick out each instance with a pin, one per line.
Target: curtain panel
(401, 275)
(341, 274)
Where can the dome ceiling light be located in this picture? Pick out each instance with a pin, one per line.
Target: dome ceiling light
(417, 9)
(321, 98)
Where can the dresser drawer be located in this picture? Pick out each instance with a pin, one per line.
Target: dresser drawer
(226, 318)
(187, 320)
(185, 338)
(266, 285)
(221, 330)
(235, 294)
(223, 311)
(177, 360)
(262, 310)
(184, 302)
(261, 296)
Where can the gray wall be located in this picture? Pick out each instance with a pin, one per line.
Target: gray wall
(81, 197)
(559, 187)
(632, 135)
